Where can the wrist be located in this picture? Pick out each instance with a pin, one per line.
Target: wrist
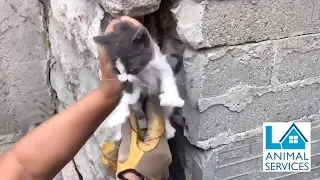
(112, 94)
(108, 100)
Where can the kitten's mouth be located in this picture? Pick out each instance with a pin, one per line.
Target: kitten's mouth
(131, 78)
(127, 78)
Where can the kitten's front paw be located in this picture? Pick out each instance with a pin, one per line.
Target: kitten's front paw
(170, 131)
(122, 77)
(167, 99)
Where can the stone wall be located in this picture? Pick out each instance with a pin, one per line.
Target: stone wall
(25, 93)
(248, 62)
(245, 62)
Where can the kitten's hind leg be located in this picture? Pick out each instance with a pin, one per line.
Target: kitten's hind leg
(142, 123)
(140, 116)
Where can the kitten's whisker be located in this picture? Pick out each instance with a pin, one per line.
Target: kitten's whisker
(142, 83)
(134, 58)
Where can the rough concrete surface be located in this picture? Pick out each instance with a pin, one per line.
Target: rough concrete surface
(242, 160)
(250, 84)
(8, 140)
(58, 177)
(25, 93)
(69, 172)
(246, 62)
(130, 7)
(213, 23)
(72, 26)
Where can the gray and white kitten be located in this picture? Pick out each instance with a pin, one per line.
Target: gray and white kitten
(145, 71)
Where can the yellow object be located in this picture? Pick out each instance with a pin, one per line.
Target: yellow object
(109, 157)
(149, 158)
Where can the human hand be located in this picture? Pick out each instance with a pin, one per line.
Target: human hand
(110, 85)
(148, 158)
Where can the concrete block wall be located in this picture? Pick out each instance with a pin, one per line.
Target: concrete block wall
(248, 62)
(241, 159)
(245, 62)
(274, 81)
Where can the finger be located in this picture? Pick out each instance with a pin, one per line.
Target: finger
(103, 57)
(110, 27)
(105, 64)
(131, 21)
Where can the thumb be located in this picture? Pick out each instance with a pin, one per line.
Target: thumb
(105, 63)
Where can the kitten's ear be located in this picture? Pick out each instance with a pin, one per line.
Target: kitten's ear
(176, 62)
(141, 37)
(103, 40)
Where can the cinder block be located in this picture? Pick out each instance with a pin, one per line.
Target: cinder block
(131, 8)
(297, 59)
(240, 65)
(234, 89)
(214, 23)
(242, 160)
(274, 107)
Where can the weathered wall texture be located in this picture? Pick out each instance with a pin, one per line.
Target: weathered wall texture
(25, 93)
(249, 61)
(74, 73)
(72, 24)
(245, 62)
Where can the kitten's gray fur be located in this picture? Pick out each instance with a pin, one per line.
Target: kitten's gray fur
(144, 70)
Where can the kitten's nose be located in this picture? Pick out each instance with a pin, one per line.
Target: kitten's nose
(130, 78)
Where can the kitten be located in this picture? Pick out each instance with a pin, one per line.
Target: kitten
(139, 64)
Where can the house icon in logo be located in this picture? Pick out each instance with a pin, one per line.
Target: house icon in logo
(292, 139)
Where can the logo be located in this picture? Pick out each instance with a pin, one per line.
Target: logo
(287, 147)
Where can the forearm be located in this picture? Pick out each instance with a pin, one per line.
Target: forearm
(47, 149)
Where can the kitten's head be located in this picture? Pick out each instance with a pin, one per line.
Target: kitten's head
(131, 46)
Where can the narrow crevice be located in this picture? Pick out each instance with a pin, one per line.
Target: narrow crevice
(45, 5)
(153, 24)
(12, 6)
(44, 12)
(107, 18)
(162, 28)
(77, 170)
